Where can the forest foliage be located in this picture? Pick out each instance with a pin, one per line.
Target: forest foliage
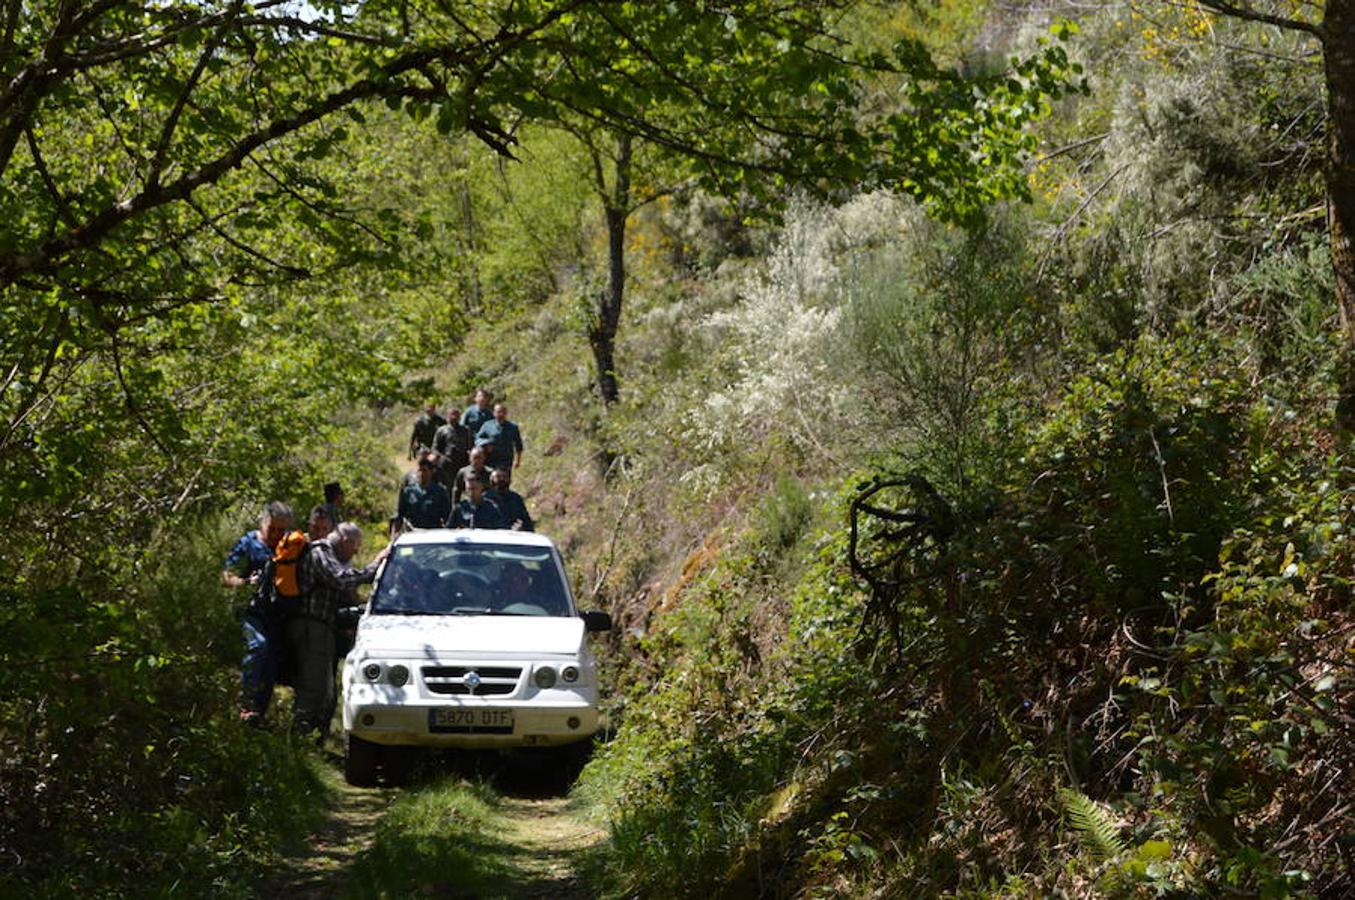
(969, 513)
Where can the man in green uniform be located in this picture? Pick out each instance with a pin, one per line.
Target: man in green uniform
(502, 439)
(424, 504)
(478, 413)
(510, 502)
(475, 509)
(477, 470)
(425, 429)
(452, 444)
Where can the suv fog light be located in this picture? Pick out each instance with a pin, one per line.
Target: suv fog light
(572, 722)
(398, 675)
(570, 674)
(544, 677)
(371, 671)
(368, 719)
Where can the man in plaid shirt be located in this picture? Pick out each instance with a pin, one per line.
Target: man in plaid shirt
(327, 576)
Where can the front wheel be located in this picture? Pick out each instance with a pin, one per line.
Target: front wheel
(360, 762)
(569, 761)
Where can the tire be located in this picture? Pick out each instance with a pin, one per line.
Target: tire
(569, 761)
(360, 762)
(397, 764)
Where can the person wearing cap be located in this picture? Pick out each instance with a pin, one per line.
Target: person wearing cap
(425, 428)
(511, 505)
(503, 440)
(424, 504)
(478, 413)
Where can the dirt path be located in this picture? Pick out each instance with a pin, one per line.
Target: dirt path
(318, 871)
(551, 840)
(538, 842)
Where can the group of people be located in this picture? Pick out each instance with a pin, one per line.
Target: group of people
(464, 477)
(299, 580)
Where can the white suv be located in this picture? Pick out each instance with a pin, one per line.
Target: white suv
(470, 640)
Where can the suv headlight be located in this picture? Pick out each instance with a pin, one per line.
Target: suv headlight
(379, 673)
(569, 674)
(544, 677)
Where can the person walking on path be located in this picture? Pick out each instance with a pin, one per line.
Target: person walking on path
(475, 510)
(503, 440)
(452, 444)
(477, 471)
(424, 504)
(479, 412)
(510, 503)
(425, 428)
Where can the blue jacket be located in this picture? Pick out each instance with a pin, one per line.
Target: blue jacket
(502, 440)
(251, 551)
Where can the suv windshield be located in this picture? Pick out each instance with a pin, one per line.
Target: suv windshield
(471, 580)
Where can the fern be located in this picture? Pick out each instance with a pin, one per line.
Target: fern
(1095, 827)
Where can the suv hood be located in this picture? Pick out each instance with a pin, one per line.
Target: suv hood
(474, 636)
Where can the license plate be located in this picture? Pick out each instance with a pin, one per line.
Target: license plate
(455, 720)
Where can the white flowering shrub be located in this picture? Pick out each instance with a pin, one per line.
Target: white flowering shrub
(782, 332)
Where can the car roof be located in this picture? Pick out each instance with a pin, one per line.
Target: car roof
(474, 536)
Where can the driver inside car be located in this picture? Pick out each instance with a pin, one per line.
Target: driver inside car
(514, 588)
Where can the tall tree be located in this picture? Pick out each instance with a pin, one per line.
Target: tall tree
(148, 150)
(778, 97)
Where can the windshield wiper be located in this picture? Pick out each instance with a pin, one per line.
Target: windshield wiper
(382, 611)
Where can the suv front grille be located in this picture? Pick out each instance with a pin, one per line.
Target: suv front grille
(494, 680)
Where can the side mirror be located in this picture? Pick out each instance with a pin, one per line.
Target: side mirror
(596, 620)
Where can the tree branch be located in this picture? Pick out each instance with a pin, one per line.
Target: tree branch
(1243, 12)
(172, 120)
(63, 209)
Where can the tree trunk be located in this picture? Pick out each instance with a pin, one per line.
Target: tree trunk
(602, 334)
(1338, 51)
(473, 291)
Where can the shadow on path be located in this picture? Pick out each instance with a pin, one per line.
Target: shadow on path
(530, 847)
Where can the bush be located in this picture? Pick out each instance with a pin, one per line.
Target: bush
(124, 768)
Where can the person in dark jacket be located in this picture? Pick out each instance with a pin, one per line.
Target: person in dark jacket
(425, 428)
(479, 412)
(502, 439)
(452, 444)
(334, 503)
(329, 578)
(475, 510)
(319, 525)
(477, 470)
(424, 504)
(511, 505)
